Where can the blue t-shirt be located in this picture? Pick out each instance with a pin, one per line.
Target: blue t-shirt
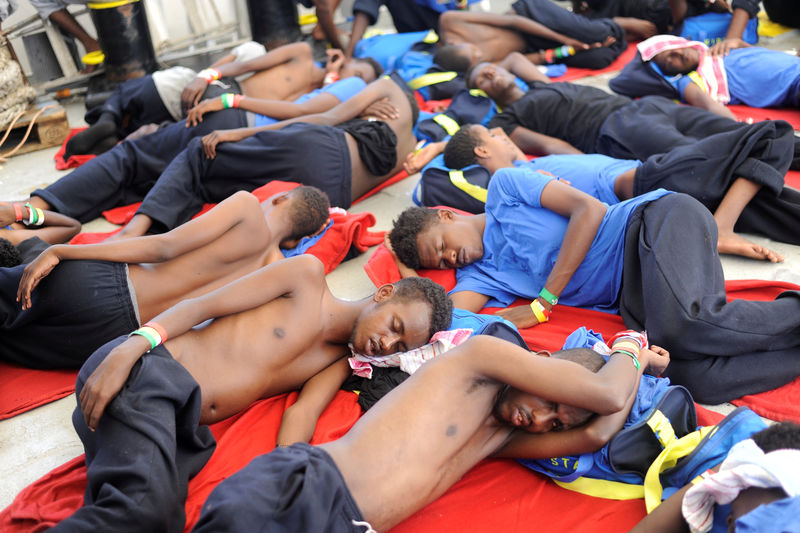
(522, 239)
(776, 517)
(756, 77)
(593, 174)
(342, 90)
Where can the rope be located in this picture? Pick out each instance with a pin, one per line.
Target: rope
(4, 157)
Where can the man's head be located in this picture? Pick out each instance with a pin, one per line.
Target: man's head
(492, 79)
(365, 68)
(308, 210)
(458, 57)
(474, 144)
(435, 238)
(780, 436)
(677, 61)
(9, 255)
(401, 317)
(533, 414)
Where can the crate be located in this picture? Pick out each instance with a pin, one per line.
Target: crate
(50, 129)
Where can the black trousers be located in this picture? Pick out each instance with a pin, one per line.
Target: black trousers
(576, 26)
(306, 153)
(705, 170)
(673, 287)
(134, 103)
(147, 446)
(125, 174)
(75, 309)
(289, 490)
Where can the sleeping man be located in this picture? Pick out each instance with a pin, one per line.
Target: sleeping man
(677, 68)
(653, 257)
(485, 397)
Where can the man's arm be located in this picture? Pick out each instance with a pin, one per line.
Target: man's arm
(375, 91)
(667, 517)
(279, 279)
(469, 300)
(277, 109)
(324, 11)
(522, 67)
(300, 419)
(283, 54)
(534, 143)
(605, 392)
(360, 23)
(697, 97)
(57, 228)
(585, 214)
(149, 249)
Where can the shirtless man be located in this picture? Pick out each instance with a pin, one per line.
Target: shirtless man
(143, 405)
(534, 26)
(104, 290)
(345, 161)
(424, 436)
(125, 173)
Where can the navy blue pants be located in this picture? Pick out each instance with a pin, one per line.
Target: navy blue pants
(407, 15)
(125, 174)
(576, 26)
(147, 446)
(705, 170)
(306, 153)
(75, 309)
(133, 103)
(289, 490)
(673, 287)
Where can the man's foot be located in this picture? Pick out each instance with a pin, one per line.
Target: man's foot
(731, 243)
(83, 142)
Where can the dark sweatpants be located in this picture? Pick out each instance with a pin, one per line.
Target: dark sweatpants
(578, 27)
(133, 103)
(705, 170)
(306, 153)
(147, 446)
(289, 490)
(75, 309)
(673, 287)
(125, 174)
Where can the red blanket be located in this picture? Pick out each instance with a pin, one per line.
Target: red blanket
(782, 403)
(74, 160)
(511, 497)
(618, 64)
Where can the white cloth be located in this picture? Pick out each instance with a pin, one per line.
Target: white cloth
(746, 466)
(170, 83)
(48, 7)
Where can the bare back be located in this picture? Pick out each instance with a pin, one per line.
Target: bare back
(363, 180)
(495, 43)
(395, 464)
(244, 248)
(287, 81)
(254, 354)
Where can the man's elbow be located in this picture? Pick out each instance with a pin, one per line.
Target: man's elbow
(598, 436)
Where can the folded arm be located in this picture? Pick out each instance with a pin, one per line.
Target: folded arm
(534, 143)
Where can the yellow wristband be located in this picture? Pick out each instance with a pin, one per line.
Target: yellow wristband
(539, 311)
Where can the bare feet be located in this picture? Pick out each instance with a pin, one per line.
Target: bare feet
(731, 243)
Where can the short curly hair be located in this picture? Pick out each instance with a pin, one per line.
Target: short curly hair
(9, 255)
(403, 236)
(780, 436)
(433, 294)
(460, 149)
(376, 67)
(450, 57)
(309, 211)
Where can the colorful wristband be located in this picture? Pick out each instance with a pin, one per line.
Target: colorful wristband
(541, 314)
(39, 217)
(227, 100)
(35, 216)
(548, 296)
(237, 98)
(159, 329)
(150, 334)
(331, 77)
(636, 363)
(18, 216)
(209, 74)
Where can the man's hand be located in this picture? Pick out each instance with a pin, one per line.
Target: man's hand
(381, 109)
(724, 47)
(211, 140)
(655, 358)
(335, 60)
(108, 378)
(417, 159)
(36, 272)
(195, 115)
(521, 316)
(192, 92)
